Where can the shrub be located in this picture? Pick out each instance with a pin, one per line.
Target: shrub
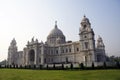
(10, 66)
(40, 66)
(71, 66)
(104, 65)
(81, 66)
(13, 66)
(53, 66)
(67, 67)
(93, 66)
(34, 66)
(21, 66)
(118, 64)
(47, 66)
(62, 66)
(7, 66)
(16, 66)
(25, 66)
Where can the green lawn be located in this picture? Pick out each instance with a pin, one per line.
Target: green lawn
(22, 74)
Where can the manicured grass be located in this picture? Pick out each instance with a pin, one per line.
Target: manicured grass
(24, 74)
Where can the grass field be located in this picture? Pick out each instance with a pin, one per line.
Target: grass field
(22, 74)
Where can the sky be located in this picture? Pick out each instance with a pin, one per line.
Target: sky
(23, 19)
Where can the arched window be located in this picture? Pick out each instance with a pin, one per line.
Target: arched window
(62, 50)
(77, 49)
(84, 26)
(56, 51)
(39, 60)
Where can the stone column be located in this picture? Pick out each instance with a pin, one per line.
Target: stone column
(27, 57)
(73, 51)
(35, 56)
(93, 57)
(42, 54)
(59, 53)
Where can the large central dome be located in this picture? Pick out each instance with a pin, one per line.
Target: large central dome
(54, 35)
(55, 31)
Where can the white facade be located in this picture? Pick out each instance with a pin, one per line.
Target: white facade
(57, 50)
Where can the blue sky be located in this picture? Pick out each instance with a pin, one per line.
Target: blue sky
(23, 19)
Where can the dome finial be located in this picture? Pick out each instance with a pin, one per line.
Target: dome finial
(84, 15)
(55, 24)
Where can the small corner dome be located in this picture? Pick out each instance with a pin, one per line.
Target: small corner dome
(85, 19)
(99, 38)
(56, 31)
(13, 42)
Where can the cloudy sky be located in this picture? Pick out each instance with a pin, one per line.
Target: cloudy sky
(23, 19)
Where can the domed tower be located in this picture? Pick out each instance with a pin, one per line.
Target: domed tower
(12, 51)
(101, 57)
(100, 44)
(56, 36)
(87, 41)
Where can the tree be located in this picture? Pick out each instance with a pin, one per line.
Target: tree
(81, 66)
(114, 59)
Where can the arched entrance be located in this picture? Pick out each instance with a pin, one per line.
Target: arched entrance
(31, 57)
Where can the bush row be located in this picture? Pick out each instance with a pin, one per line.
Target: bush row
(62, 67)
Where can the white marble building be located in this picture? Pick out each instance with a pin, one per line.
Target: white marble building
(57, 50)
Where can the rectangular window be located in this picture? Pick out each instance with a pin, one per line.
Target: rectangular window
(86, 45)
(69, 49)
(66, 50)
(51, 51)
(39, 60)
(56, 51)
(77, 49)
(63, 51)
